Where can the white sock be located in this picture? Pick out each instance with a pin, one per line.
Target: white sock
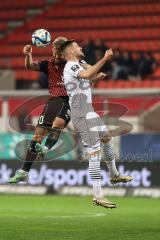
(97, 190)
(109, 157)
(95, 174)
(112, 168)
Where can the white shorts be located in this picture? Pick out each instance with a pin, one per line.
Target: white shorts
(91, 128)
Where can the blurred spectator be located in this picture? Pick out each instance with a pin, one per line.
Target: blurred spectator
(89, 48)
(117, 71)
(124, 65)
(120, 65)
(100, 45)
(135, 69)
(118, 56)
(148, 65)
(127, 62)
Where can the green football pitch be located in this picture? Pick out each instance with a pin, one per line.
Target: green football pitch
(72, 217)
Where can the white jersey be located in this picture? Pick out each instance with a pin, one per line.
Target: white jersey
(78, 89)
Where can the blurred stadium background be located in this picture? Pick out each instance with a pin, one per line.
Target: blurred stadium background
(130, 96)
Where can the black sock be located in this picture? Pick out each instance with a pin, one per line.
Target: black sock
(30, 157)
(53, 137)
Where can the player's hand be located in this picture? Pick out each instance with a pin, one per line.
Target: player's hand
(27, 50)
(99, 76)
(102, 75)
(108, 54)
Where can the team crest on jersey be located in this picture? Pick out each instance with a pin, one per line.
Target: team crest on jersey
(75, 68)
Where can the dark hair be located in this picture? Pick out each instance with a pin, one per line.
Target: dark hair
(66, 44)
(58, 42)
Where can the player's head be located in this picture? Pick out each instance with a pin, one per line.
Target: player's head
(71, 50)
(56, 49)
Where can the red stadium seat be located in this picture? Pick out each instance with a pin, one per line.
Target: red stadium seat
(156, 83)
(119, 84)
(10, 15)
(128, 84)
(99, 11)
(86, 2)
(147, 83)
(3, 27)
(21, 4)
(105, 23)
(27, 75)
(110, 84)
(101, 84)
(157, 57)
(157, 73)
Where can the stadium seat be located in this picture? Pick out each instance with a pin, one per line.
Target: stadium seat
(21, 4)
(94, 23)
(3, 27)
(86, 2)
(101, 84)
(147, 83)
(128, 84)
(27, 75)
(11, 15)
(157, 57)
(111, 10)
(157, 73)
(137, 83)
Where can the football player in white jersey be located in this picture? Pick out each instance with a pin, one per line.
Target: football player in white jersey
(86, 121)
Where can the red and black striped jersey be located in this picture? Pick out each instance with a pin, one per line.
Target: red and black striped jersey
(54, 73)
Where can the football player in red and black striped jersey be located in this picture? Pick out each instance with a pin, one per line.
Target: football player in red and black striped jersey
(55, 115)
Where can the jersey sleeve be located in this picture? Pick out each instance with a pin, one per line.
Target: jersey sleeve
(44, 66)
(75, 69)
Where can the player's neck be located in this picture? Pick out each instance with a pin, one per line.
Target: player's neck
(72, 58)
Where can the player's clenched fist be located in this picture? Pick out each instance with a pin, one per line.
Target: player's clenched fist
(27, 49)
(108, 54)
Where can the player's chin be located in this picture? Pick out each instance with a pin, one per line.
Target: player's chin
(57, 60)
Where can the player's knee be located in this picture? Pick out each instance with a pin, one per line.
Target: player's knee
(94, 156)
(38, 138)
(93, 152)
(59, 123)
(106, 138)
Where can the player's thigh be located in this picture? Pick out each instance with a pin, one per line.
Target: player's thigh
(104, 133)
(63, 118)
(83, 126)
(50, 112)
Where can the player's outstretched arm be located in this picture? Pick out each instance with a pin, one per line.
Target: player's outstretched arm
(97, 76)
(90, 72)
(29, 64)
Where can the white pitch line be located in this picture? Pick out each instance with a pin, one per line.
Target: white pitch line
(78, 216)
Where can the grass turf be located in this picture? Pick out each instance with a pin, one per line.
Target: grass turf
(71, 217)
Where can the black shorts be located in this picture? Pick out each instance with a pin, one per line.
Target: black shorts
(55, 107)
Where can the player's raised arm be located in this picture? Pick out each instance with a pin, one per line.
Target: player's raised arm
(97, 76)
(90, 72)
(29, 64)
